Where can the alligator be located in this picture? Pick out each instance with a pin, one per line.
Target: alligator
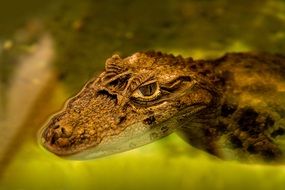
(232, 107)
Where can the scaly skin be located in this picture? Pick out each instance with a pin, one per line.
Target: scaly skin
(232, 107)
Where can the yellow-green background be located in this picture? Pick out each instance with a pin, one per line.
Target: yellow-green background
(85, 33)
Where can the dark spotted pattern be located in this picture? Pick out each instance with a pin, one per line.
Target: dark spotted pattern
(235, 141)
(150, 120)
(247, 130)
(278, 132)
(228, 109)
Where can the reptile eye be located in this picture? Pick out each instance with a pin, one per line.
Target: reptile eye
(147, 92)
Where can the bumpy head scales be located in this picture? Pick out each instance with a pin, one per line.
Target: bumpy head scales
(135, 101)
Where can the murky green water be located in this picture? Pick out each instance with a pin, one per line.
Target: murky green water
(48, 51)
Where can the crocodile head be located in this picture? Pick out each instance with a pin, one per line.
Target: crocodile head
(135, 101)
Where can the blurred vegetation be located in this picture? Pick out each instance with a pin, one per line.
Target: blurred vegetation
(87, 32)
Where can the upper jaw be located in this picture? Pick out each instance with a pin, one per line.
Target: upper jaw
(134, 136)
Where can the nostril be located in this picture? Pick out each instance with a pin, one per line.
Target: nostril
(53, 139)
(63, 130)
(66, 131)
(56, 132)
(56, 126)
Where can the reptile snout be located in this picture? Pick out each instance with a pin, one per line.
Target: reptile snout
(57, 135)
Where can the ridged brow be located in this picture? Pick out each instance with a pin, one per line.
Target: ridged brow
(174, 83)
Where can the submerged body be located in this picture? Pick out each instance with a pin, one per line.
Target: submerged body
(232, 107)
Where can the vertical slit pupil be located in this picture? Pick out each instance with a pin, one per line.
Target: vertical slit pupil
(149, 89)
